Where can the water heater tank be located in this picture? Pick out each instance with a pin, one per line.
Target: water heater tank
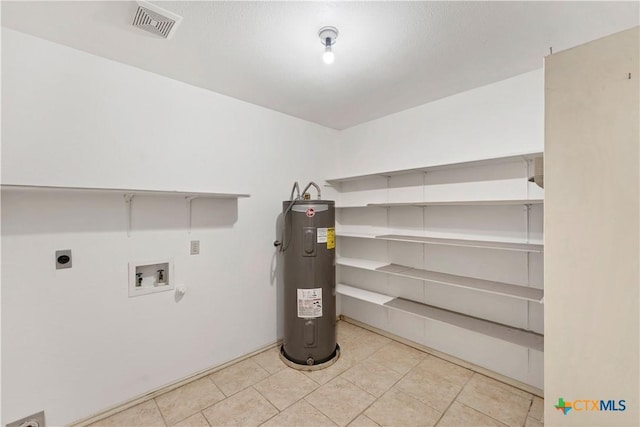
(309, 284)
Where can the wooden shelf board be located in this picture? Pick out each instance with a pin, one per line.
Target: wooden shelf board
(485, 244)
(470, 163)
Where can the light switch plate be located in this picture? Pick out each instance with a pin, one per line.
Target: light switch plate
(195, 247)
(63, 259)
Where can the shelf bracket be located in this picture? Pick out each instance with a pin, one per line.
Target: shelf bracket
(527, 210)
(527, 174)
(128, 199)
(189, 199)
(527, 219)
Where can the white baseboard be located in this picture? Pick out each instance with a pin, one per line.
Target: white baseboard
(166, 388)
(179, 383)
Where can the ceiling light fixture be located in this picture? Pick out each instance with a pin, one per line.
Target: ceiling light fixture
(328, 36)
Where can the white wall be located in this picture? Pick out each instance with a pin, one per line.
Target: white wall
(592, 248)
(493, 120)
(73, 342)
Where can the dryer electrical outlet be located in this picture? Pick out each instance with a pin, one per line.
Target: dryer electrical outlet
(63, 259)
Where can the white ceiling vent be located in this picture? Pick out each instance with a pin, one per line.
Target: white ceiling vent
(156, 20)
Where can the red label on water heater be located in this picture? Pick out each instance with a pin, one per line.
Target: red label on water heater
(310, 212)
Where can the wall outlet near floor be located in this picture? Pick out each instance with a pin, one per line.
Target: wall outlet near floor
(195, 247)
(35, 420)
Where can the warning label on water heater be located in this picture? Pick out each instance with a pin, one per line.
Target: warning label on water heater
(331, 238)
(328, 236)
(310, 302)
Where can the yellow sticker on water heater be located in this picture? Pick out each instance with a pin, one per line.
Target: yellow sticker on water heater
(331, 238)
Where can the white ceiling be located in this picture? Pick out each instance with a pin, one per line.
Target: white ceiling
(390, 56)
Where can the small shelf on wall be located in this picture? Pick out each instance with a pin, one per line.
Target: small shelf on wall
(129, 194)
(127, 191)
(480, 285)
(510, 334)
(526, 157)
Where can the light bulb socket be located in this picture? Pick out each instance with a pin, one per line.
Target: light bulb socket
(328, 35)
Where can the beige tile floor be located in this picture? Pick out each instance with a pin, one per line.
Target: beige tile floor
(376, 382)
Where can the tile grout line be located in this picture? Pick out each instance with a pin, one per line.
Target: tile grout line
(528, 412)
(312, 391)
(270, 402)
(339, 375)
(239, 391)
(482, 413)
(490, 416)
(454, 399)
(318, 409)
(213, 404)
(273, 403)
(220, 401)
(378, 398)
(302, 398)
(440, 377)
(160, 411)
(440, 355)
(244, 388)
(206, 420)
